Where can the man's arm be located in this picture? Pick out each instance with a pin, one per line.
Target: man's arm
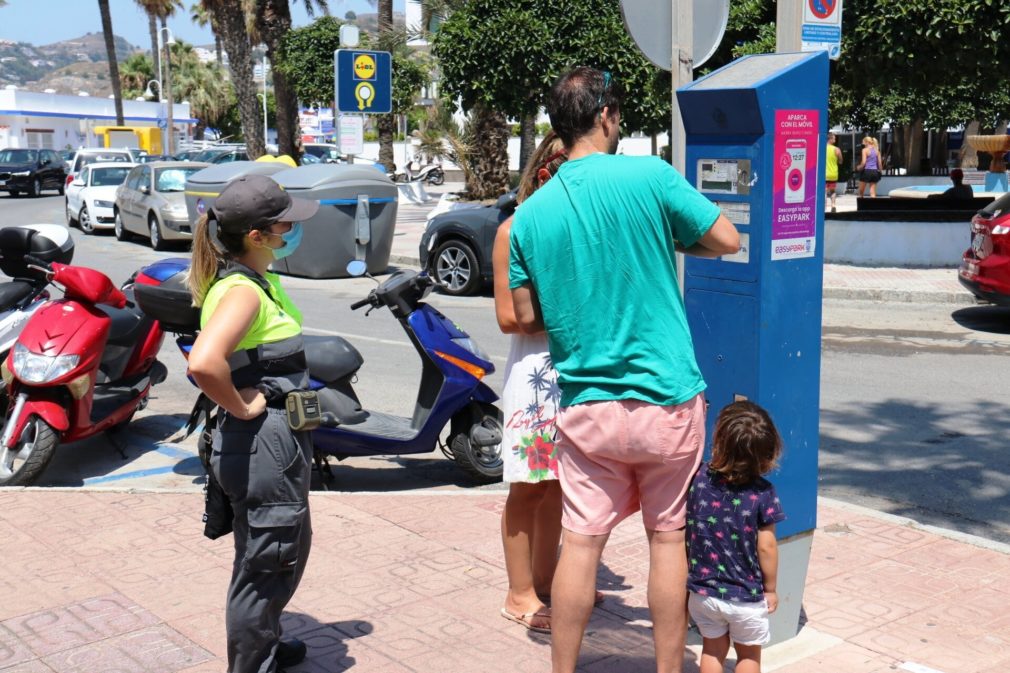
(527, 309)
(722, 238)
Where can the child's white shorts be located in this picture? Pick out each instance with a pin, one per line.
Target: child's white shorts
(746, 623)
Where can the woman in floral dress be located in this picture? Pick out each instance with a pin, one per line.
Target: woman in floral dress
(531, 522)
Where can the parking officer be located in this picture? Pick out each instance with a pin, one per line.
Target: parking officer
(247, 358)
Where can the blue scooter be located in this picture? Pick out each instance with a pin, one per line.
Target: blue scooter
(451, 391)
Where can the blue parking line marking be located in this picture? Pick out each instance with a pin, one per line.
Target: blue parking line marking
(94, 481)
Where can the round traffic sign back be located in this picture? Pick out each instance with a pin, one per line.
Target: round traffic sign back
(650, 24)
(822, 9)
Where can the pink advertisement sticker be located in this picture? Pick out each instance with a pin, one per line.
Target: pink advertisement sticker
(795, 184)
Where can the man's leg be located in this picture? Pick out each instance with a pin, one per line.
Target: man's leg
(668, 597)
(572, 596)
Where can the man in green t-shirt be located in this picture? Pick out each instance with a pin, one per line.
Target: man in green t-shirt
(592, 262)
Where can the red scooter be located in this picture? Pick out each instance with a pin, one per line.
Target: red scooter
(82, 365)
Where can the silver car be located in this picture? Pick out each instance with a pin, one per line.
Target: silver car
(152, 202)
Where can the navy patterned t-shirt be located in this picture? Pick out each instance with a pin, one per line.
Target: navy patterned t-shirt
(722, 527)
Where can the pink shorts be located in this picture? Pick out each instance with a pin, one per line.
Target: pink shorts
(618, 457)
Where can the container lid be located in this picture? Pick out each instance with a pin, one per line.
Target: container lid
(222, 173)
(317, 176)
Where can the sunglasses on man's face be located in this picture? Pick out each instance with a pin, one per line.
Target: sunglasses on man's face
(603, 92)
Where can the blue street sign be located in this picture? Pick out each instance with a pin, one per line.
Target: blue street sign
(363, 81)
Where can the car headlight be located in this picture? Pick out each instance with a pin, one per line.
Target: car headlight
(104, 204)
(35, 368)
(21, 174)
(471, 346)
(174, 213)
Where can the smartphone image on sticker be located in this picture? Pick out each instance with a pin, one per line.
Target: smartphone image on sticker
(796, 191)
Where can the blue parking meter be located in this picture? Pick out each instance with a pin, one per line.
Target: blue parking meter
(756, 132)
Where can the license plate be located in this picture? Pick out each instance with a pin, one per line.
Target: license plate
(3, 183)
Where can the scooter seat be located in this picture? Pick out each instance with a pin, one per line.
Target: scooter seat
(331, 358)
(126, 322)
(13, 292)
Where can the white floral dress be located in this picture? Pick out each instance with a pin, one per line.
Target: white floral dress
(530, 405)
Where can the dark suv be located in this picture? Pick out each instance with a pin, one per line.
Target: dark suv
(456, 246)
(31, 171)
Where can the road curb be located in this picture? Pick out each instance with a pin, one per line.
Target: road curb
(405, 260)
(899, 296)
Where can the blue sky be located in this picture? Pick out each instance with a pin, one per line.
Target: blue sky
(46, 21)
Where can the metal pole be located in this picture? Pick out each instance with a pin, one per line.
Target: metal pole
(788, 25)
(170, 127)
(682, 73)
(265, 130)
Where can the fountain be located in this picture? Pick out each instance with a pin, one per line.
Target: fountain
(997, 146)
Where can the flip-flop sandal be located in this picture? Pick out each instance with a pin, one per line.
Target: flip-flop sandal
(526, 619)
(597, 600)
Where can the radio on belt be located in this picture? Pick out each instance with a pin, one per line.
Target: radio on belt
(756, 131)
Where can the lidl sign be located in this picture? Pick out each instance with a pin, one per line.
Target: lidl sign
(363, 81)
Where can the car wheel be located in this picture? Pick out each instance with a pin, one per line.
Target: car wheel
(15, 193)
(454, 266)
(157, 240)
(87, 226)
(121, 233)
(35, 189)
(70, 216)
(62, 187)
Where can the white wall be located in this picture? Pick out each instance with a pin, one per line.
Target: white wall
(902, 244)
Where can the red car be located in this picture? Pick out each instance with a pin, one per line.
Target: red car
(985, 266)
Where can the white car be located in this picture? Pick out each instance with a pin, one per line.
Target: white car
(91, 196)
(96, 155)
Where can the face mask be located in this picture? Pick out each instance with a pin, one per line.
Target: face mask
(292, 240)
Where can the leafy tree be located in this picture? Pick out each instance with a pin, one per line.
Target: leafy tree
(483, 62)
(201, 17)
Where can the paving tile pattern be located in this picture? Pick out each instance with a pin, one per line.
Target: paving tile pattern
(125, 582)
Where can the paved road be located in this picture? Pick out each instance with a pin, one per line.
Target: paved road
(914, 399)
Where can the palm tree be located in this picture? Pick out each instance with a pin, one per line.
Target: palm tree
(134, 74)
(110, 51)
(201, 17)
(228, 21)
(272, 23)
(202, 85)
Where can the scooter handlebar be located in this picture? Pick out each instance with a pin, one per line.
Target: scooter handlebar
(359, 304)
(40, 264)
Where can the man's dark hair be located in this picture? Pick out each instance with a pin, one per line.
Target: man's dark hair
(576, 99)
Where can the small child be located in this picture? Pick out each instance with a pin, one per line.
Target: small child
(732, 553)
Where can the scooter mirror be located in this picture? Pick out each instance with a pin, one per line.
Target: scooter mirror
(356, 268)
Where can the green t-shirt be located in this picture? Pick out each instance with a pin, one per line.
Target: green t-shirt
(597, 244)
(272, 322)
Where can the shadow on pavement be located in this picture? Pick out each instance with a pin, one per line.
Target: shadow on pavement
(394, 473)
(936, 465)
(326, 646)
(991, 319)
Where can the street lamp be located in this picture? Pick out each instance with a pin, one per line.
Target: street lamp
(149, 92)
(167, 39)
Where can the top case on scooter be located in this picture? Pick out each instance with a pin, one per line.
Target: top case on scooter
(47, 242)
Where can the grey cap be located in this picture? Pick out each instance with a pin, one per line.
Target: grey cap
(255, 202)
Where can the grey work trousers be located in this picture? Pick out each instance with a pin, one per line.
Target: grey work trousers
(264, 468)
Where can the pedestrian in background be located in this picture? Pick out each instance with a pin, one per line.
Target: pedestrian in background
(869, 167)
(732, 511)
(531, 521)
(832, 158)
(592, 262)
(247, 358)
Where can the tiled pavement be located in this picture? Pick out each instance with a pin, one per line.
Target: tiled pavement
(124, 582)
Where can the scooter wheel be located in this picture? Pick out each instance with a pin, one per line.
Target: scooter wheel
(467, 441)
(436, 178)
(25, 462)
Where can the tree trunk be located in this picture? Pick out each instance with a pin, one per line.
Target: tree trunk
(914, 142)
(110, 51)
(274, 21)
(386, 123)
(152, 27)
(527, 139)
(217, 48)
(489, 158)
(968, 157)
(230, 21)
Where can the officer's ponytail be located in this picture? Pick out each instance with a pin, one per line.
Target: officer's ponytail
(208, 256)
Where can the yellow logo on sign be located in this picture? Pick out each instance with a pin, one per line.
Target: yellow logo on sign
(365, 94)
(364, 66)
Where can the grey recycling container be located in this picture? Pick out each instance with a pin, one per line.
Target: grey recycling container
(356, 219)
(203, 186)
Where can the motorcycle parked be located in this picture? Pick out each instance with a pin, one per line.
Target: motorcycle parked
(451, 391)
(82, 365)
(27, 290)
(431, 172)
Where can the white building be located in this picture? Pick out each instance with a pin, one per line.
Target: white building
(53, 121)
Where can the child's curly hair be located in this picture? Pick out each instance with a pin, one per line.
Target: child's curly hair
(746, 444)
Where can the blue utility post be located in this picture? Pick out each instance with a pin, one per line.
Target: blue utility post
(756, 131)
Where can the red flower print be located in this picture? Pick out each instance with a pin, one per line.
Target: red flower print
(538, 454)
